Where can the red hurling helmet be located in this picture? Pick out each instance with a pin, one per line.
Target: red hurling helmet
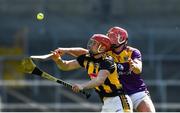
(99, 43)
(118, 36)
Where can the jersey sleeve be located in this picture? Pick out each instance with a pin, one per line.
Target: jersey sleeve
(136, 54)
(107, 65)
(81, 60)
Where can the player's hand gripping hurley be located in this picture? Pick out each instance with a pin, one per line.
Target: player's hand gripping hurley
(29, 67)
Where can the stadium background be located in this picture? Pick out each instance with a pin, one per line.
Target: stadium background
(153, 27)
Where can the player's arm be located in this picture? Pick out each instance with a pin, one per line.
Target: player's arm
(63, 64)
(74, 51)
(135, 62)
(135, 65)
(106, 68)
(99, 80)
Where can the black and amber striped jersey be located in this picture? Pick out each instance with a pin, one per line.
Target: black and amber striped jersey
(112, 85)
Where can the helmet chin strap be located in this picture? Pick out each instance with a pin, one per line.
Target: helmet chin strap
(124, 45)
(98, 50)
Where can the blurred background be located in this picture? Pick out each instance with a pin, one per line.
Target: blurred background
(153, 27)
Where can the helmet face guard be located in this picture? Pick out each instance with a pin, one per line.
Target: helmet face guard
(94, 47)
(123, 44)
(98, 43)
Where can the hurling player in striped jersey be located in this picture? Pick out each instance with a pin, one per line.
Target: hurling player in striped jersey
(103, 73)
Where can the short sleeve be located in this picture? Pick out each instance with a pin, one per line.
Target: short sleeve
(81, 60)
(136, 54)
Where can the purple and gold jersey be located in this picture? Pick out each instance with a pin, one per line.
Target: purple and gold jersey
(131, 82)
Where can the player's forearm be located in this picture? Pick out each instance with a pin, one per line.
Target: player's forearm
(137, 68)
(92, 84)
(62, 65)
(74, 51)
(99, 80)
(77, 51)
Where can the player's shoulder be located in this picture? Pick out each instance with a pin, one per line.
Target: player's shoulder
(130, 48)
(109, 53)
(108, 64)
(108, 60)
(135, 53)
(82, 57)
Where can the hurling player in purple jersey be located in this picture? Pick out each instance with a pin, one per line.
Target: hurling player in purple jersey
(130, 64)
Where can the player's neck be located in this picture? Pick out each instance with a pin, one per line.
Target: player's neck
(98, 56)
(119, 49)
